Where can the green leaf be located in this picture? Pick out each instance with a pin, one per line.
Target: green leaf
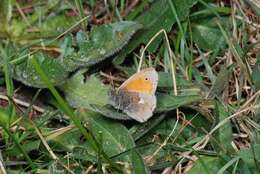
(165, 81)
(207, 165)
(138, 164)
(4, 118)
(66, 46)
(51, 26)
(82, 94)
(207, 35)
(184, 87)
(102, 42)
(141, 130)
(28, 147)
(65, 139)
(251, 157)
(166, 102)
(69, 139)
(117, 35)
(110, 112)
(113, 137)
(26, 73)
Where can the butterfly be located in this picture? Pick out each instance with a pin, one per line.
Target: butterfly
(136, 96)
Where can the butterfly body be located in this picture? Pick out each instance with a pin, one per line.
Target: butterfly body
(136, 96)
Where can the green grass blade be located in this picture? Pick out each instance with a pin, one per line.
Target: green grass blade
(8, 79)
(226, 166)
(81, 13)
(66, 108)
(176, 16)
(3, 123)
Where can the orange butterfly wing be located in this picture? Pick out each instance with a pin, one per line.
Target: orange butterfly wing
(143, 82)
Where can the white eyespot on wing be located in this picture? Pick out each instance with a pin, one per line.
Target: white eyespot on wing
(141, 101)
(143, 110)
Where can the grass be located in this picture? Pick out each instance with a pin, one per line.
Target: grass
(207, 55)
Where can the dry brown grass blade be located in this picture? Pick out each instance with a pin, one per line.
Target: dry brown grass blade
(48, 148)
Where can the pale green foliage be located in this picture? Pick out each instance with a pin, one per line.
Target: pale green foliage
(82, 94)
